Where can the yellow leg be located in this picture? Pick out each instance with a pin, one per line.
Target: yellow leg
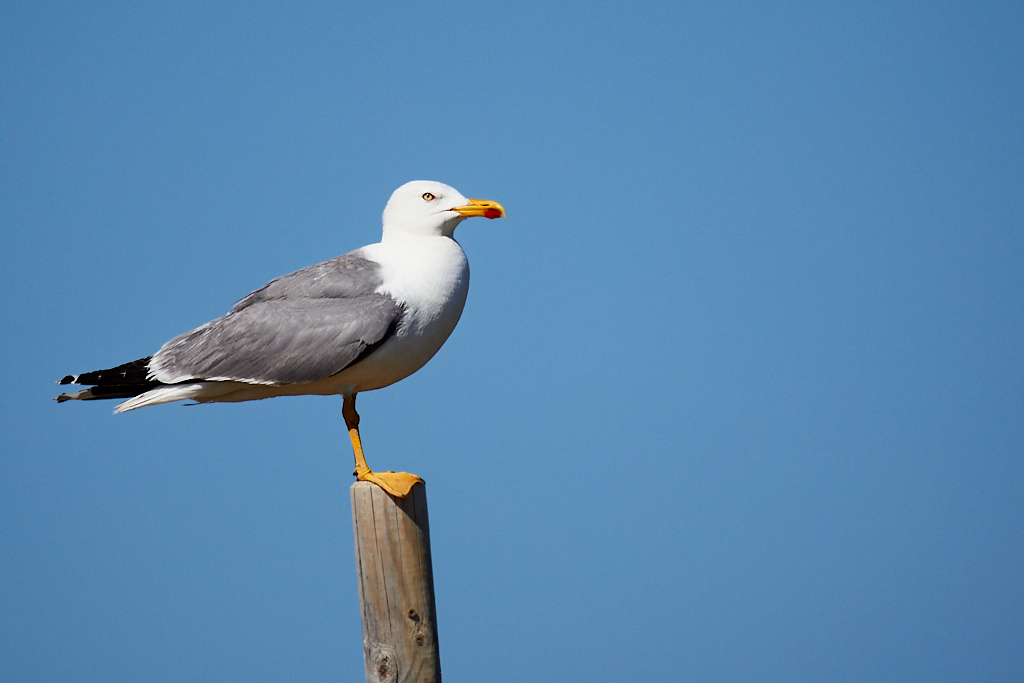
(396, 483)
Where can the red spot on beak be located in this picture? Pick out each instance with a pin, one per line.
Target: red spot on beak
(492, 213)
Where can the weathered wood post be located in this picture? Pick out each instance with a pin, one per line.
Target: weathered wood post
(396, 585)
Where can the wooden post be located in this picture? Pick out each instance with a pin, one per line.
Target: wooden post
(396, 585)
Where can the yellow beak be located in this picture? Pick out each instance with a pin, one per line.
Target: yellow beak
(481, 207)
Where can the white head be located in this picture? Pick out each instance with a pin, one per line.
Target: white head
(425, 207)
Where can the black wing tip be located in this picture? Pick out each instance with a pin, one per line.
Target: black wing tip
(136, 372)
(85, 394)
(108, 391)
(124, 381)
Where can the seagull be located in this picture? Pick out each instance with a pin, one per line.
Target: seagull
(358, 322)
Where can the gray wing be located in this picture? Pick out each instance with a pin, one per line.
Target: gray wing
(348, 276)
(301, 327)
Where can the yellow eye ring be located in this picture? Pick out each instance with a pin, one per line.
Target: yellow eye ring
(427, 196)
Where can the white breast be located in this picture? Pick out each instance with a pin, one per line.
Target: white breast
(429, 275)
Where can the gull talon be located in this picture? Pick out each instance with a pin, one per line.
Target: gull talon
(398, 484)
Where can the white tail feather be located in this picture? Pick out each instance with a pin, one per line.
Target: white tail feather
(178, 392)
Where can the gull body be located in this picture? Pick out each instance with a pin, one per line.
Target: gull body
(427, 276)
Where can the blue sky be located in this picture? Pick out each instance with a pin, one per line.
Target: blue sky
(736, 395)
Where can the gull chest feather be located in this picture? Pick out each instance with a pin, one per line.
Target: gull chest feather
(429, 276)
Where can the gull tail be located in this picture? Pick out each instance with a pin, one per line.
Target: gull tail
(133, 382)
(164, 393)
(124, 381)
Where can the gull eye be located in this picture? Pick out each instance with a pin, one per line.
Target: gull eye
(427, 196)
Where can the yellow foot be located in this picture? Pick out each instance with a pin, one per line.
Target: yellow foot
(396, 483)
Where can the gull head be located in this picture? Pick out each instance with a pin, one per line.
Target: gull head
(425, 207)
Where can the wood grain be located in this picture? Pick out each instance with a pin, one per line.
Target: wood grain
(396, 585)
